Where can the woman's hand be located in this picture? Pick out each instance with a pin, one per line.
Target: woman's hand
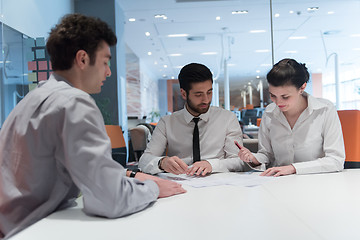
(246, 156)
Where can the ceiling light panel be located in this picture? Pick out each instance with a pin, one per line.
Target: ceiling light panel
(209, 53)
(178, 35)
(160, 16)
(257, 31)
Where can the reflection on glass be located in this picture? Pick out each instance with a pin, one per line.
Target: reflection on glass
(325, 36)
(13, 66)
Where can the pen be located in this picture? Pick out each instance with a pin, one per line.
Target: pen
(239, 147)
(237, 144)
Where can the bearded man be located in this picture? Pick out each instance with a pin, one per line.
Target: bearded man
(199, 139)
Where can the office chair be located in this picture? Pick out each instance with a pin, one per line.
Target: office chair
(350, 124)
(118, 144)
(250, 115)
(140, 136)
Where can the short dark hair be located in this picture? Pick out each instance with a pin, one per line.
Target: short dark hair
(288, 72)
(77, 32)
(192, 73)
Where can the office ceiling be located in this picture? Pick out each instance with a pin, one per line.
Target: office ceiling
(309, 31)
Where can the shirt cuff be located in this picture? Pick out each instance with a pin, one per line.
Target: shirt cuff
(261, 167)
(153, 187)
(216, 166)
(155, 166)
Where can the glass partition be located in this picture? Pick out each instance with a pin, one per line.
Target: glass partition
(13, 70)
(325, 36)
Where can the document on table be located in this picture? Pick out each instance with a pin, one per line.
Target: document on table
(236, 179)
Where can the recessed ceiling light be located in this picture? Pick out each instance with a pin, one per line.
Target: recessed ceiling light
(132, 19)
(355, 35)
(257, 71)
(218, 18)
(172, 77)
(209, 53)
(163, 16)
(175, 54)
(291, 11)
(257, 31)
(291, 51)
(277, 15)
(178, 35)
(155, 62)
(165, 66)
(297, 37)
(257, 76)
(240, 12)
(149, 53)
(164, 75)
(330, 12)
(262, 50)
(147, 34)
(312, 9)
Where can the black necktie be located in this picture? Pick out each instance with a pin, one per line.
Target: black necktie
(196, 142)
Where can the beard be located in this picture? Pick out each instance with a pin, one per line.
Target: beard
(197, 109)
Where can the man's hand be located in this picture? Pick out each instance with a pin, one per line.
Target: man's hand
(174, 165)
(167, 188)
(279, 171)
(200, 168)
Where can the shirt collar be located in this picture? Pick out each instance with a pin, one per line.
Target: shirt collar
(313, 104)
(58, 78)
(189, 117)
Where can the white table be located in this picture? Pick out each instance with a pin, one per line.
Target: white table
(318, 206)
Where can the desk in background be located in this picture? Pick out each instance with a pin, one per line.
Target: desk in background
(317, 206)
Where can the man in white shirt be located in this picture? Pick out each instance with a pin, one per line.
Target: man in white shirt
(54, 142)
(171, 148)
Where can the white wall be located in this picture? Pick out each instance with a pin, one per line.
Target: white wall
(34, 18)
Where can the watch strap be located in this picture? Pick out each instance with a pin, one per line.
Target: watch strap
(134, 172)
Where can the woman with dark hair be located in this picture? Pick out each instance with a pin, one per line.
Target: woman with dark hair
(298, 133)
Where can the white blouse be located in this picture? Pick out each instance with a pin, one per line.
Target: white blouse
(314, 145)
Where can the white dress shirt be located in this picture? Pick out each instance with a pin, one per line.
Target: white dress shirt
(218, 129)
(314, 145)
(54, 143)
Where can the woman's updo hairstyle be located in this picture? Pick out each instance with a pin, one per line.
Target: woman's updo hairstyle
(288, 72)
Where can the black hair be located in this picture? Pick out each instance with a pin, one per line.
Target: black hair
(288, 72)
(193, 73)
(77, 32)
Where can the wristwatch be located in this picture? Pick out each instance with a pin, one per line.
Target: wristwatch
(134, 172)
(159, 163)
